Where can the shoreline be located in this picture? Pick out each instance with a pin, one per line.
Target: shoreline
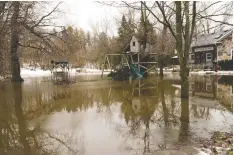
(213, 72)
(202, 72)
(26, 73)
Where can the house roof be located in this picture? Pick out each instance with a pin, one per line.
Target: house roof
(225, 35)
(60, 62)
(211, 38)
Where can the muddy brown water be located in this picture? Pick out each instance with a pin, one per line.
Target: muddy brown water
(103, 117)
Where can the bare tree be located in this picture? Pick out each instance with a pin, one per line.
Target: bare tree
(27, 23)
(181, 18)
(15, 65)
(182, 33)
(212, 16)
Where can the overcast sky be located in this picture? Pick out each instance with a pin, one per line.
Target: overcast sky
(87, 14)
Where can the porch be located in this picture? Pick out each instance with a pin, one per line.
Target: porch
(203, 58)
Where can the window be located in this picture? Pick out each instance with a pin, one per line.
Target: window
(192, 57)
(208, 57)
(133, 43)
(197, 61)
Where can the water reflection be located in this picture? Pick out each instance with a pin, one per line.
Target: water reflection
(209, 91)
(17, 137)
(23, 133)
(165, 110)
(109, 117)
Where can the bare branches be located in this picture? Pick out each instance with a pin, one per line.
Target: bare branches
(131, 6)
(63, 143)
(2, 7)
(166, 20)
(47, 15)
(214, 13)
(217, 21)
(38, 29)
(178, 27)
(40, 48)
(154, 14)
(168, 6)
(208, 7)
(123, 4)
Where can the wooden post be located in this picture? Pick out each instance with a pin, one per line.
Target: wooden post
(138, 59)
(139, 90)
(156, 64)
(173, 64)
(132, 59)
(102, 70)
(127, 61)
(108, 62)
(103, 66)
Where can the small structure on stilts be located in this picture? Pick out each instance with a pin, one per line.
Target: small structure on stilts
(134, 62)
(61, 72)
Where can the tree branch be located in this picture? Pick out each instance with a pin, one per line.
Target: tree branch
(222, 22)
(209, 7)
(133, 7)
(43, 17)
(165, 19)
(154, 15)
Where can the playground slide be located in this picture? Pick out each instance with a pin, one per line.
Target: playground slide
(136, 71)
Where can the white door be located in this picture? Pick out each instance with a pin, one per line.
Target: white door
(208, 57)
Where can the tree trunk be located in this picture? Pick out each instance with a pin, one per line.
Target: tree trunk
(183, 66)
(161, 67)
(184, 73)
(183, 50)
(15, 65)
(164, 33)
(143, 14)
(184, 119)
(184, 87)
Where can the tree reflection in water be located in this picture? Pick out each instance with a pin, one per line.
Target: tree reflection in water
(17, 138)
(165, 109)
(17, 88)
(153, 118)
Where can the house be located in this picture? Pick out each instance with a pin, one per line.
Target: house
(136, 46)
(208, 49)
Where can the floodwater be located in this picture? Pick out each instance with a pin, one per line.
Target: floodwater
(104, 117)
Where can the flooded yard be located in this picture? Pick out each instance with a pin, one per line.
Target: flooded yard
(103, 117)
